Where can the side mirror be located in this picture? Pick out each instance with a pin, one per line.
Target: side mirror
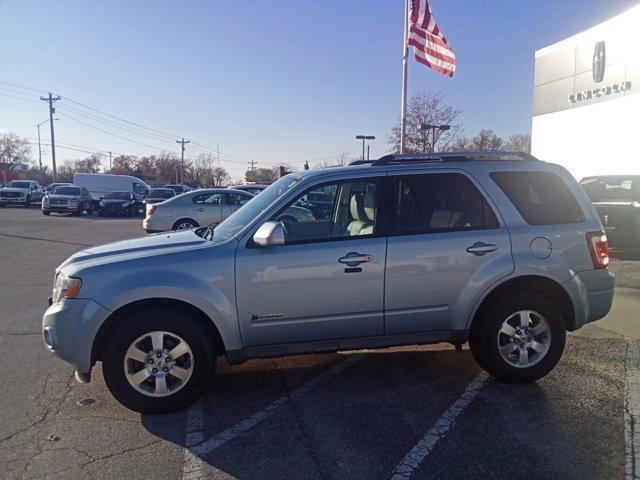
(270, 234)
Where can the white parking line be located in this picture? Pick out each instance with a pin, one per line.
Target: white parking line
(443, 424)
(632, 410)
(193, 467)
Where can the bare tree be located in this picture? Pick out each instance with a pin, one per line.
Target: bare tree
(90, 164)
(340, 160)
(486, 139)
(14, 149)
(219, 176)
(426, 108)
(519, 142)
(261, 175)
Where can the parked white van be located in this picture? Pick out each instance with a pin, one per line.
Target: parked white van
(99, 184)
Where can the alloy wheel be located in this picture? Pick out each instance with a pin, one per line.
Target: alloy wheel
(524, 339)
(158, 363)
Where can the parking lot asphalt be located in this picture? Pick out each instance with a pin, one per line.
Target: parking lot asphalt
(411, 412)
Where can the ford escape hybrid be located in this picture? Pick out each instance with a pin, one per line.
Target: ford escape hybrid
(497, 249)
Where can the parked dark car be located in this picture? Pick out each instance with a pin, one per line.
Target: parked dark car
(67, 199)
(49, 188)
(157, 195)
(178, 188)
(118, 203)
(253, 189)
(617, 201)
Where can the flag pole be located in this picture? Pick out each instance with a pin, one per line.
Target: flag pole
(405, 58)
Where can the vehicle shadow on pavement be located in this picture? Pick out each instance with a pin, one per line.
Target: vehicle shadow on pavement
(357, 423)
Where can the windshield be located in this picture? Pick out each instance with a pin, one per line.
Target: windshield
(66, 191)
(612, 189)
(247, 213)
(161, 193)
(117, 196)
(15, 184)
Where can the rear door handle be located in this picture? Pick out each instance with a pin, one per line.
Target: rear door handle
(481, 248)
(353, 259)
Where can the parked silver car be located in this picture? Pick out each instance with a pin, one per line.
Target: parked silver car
(194, 208)
(67, 199)
(493, 248)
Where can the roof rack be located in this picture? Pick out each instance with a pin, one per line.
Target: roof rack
(488, 156)
(363, 162)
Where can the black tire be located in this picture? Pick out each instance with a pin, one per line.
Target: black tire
(185, 221)
(483, 338)
(46, 213)
(27, 203)
(89, 208)
(176, 321)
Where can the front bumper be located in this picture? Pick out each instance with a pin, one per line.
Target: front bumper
(60, 208)
(591, 293)
(69, 329)
(10, 200)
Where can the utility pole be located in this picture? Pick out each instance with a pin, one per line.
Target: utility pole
(182, 144)
(218, 147)
(253, 163)
(109, 161)
(368, 152)
(52, 110)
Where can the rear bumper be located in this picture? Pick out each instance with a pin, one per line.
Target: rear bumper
(591, 293)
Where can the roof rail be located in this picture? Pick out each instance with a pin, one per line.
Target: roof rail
(484, 156)
(362, 162)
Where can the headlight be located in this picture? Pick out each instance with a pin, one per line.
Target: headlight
(102, 204)
(45, 199)
(65, 287)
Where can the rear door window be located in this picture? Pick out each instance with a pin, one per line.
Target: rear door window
(542, 198)
(437, 203)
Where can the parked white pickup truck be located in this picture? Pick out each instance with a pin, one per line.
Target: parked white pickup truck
(21, 192)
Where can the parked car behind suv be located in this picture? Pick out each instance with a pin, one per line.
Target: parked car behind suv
(21, 192)
(497, 249)
(252, 188)
(617, 201)
(157, 195)
(118, 203)
(67, 199)
(195, 208)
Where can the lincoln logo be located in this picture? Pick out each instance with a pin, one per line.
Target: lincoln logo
(599, 60)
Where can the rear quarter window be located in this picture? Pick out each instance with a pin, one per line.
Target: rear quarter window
(542, 198)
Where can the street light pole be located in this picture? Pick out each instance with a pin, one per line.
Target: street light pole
(364, 138)
(427, 127)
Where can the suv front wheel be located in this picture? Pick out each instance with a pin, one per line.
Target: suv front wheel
(518, 339)
(158, 360)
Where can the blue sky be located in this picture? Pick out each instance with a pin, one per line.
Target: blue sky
(275, 81)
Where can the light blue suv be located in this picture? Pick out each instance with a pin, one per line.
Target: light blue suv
(497, 249)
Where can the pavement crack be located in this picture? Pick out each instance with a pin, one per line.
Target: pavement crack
(24, 237)
(310, 443)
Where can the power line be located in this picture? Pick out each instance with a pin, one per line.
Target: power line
(114, 124)
(24, 87)
(119, 118)
(155, 147)
(20, 98)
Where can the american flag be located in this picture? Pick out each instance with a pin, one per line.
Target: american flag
(430, 46)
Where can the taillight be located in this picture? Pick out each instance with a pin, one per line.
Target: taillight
(599, 249)
(151, 209)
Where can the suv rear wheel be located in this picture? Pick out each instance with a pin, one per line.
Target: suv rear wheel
(518, 339)
(158, 360)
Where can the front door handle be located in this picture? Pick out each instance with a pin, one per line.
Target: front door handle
(353, 259)
(481, 248)
(199, 209)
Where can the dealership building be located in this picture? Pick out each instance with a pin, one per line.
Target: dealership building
(586, 102)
